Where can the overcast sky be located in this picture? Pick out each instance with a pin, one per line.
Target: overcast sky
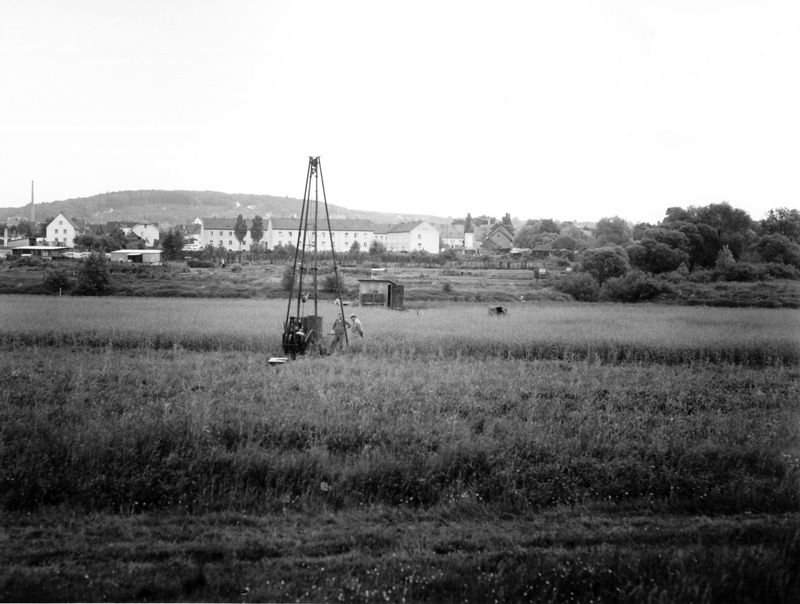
(567, 109)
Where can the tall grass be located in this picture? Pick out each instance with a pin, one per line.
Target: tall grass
(113, 430)
(605, 333)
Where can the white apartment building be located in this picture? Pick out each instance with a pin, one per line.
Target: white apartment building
(343, 233)
(219, 233)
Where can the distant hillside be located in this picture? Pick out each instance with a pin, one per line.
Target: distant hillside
(168, 208)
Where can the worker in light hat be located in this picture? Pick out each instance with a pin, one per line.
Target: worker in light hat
(339, 328)
(357, 328)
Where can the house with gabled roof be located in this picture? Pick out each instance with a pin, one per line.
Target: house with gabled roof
(143, 229)
(62, 231)
(500, 238)
(417, 236)
(147, 231)
(452, 235)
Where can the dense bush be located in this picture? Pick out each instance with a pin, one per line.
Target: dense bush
(605, 262)
(656, 257)
(778, 249)
(93, 277)
(740, 271)
(331, 285)
(702, 276)
(32, 261)
(200, 264)
(58, 280)
(636, 286)
(581, 286)
(780, 271)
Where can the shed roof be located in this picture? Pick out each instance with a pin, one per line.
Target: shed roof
(377, 281)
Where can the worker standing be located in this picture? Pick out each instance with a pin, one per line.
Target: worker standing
(339, 327)
(357, 328)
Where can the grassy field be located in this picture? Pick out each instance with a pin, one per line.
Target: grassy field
(586, 453)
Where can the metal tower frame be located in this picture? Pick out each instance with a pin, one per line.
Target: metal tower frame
(306, 260)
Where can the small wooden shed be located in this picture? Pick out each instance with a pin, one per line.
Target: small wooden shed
(380, 292)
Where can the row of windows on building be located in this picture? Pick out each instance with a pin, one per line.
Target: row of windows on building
(289, 233)
(325, 233)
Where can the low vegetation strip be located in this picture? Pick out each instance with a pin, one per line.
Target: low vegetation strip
(605, 333)
(381, 554)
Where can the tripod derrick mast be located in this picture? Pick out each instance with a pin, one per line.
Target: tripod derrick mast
(303, 331)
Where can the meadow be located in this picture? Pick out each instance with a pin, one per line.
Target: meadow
(567, 452)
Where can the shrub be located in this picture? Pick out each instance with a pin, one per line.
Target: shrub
(58, 280)
(200, 264)
(329, 284)
(636, 286)
(581, 286)
(725, 260)
(674, 276)
(740, 271)
(286, 278)
(778, 249)
(93, 277)
(656, 257)
(605, 263)
(33, 261)
(777, 270)
(702, 275)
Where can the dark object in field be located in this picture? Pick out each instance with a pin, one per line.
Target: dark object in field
(301, 335)
(498, 311)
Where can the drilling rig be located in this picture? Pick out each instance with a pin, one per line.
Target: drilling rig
(303, 330)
